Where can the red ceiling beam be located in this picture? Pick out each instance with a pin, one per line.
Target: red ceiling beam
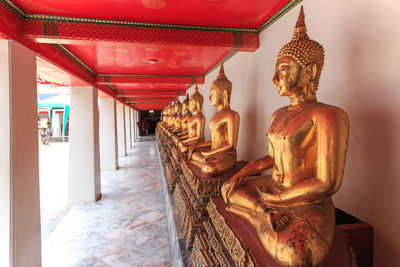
(146, 99)
(61, 30)
(153, 79)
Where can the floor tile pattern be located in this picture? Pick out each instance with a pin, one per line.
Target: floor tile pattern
(127, 227)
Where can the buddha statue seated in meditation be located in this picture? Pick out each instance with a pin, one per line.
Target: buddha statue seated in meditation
(184, 121)
(219, 155)
(177, 119)
(164, 124)
(292, 208)
(195, 124)
(171, 118)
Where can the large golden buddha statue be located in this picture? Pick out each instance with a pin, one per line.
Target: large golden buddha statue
(292, 209)
(195, 124)
(219, 155)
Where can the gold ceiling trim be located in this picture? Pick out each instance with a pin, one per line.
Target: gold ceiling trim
(77, 60)
(149, 75)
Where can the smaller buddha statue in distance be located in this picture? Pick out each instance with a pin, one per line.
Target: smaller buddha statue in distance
(177, 118)
(195, 123)
(292, 209)
(184, 120)
(219, 155)
(171, 117)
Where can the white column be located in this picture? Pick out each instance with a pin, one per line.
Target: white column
(108, 134)
(84, 156)
(133, 126)
(128, 127)
(136, 125)
(20, 238)
(121, 130)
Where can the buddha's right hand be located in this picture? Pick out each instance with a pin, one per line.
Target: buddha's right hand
(230, 186)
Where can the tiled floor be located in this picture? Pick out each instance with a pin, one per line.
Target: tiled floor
(127, 227)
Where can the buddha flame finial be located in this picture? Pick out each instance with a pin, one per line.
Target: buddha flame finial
(186, 101)
(300, 30)
(221, 73)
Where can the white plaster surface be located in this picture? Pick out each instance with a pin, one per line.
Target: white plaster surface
(84, 154)
(5, 183)
(128, 127)
(360, 75)
(20, 243)
(121, 134)
(108, 134)
(133, 127)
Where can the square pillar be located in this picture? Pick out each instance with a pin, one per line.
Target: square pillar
(136, 125)
(20, 233)
(84, 155)
(121, 133)
(133, 126)
(108, 134)
(128, 127)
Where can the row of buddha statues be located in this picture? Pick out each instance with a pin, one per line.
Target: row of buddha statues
(291, 208)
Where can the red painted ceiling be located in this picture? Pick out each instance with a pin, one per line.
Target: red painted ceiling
(145, 66)
(151, 60)
(222, 13)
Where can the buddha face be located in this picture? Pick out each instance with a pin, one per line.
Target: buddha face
(289, 77)
(215, 97)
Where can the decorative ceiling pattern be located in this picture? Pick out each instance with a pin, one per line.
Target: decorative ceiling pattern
(145, 53)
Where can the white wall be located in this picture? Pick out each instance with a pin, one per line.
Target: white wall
(361, 75)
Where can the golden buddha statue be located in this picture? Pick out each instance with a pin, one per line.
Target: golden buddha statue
(292, 209)
(184, 120)
(166, 118)
(195, 124)
(177, 118)
(219, 155)
(171, 117)
(186, 115)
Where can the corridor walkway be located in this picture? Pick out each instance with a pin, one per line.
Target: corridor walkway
(127, 227)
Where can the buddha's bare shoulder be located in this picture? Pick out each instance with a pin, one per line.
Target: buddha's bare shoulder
(322, 111)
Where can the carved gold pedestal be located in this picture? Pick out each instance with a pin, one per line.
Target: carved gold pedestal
(235, 242)
(202, 254)
(195, 189)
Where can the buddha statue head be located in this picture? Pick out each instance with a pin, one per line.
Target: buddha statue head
(299, 64)
(221, 89)
(185, 104)
(196, 101)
